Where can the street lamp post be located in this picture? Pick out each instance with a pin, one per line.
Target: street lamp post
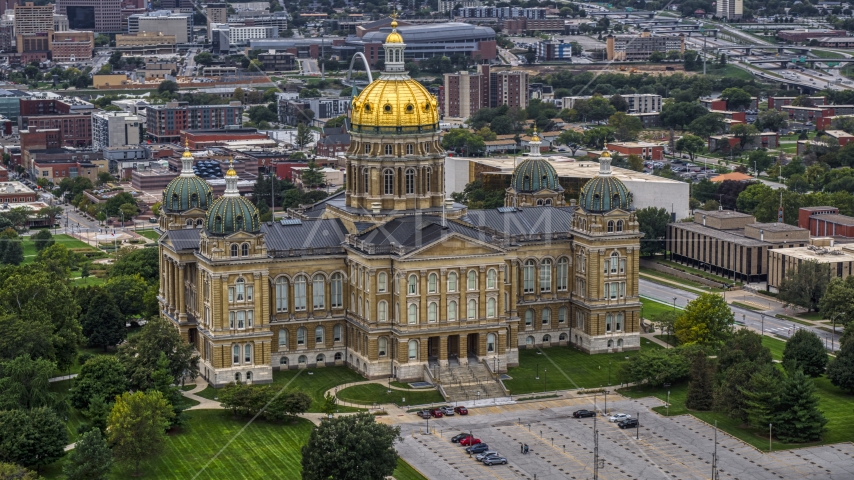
(538, 372)
(609, 373)
(763, 323)
(545, 379)
(667, 405)
(770, 446)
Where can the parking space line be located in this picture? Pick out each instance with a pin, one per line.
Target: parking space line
(541, 441)
(462, 460)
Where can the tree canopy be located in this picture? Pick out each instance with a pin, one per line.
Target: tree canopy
(706, 320)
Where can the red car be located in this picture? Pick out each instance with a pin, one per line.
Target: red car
(461, 410)
(436, 413)
(469, 441)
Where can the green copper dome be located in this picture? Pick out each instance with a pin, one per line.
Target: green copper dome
(604, 192)
(185, 192)
(535, 174)
(230, 214)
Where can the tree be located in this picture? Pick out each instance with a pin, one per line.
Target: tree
(837, 303)
(736, 98)
(706, 320)
(760, 160)
(167, 86)
(336, 122)
(657, 57)
(313, 175)
(803, 101)
(204, 58)
(771, 119)
(805, 285)
(137, 261)
(32, 438)
(656, 367)
(619, 103)
(700, 396)
(635, 162)
(91, 458)
(744, 132)
(707, 125)
(10, 471)
(351, 447)
(626, 127)
(761, 394)
(797, 418)
(598, 108)
(42, 239)
(806, 350)
(680, 114)
(11, 248)
(57, 260)
(142, 351)
(597, 137)
(571, 139)
(128, 292)
(101, 377)
(137, 425)
(50, 213)
(652, 222)
(690, 144)
(115, 59)
(303, 136)
(476, 197)
(25, 383)
(840, 372)
(84, 272)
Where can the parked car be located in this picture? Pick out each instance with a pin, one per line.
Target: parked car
(456, 438)
(478, 448)
(628, 423)
(461, 410)
(447, 411)
(618, 417)
(424, 414)
(583, 413)
(436, 413)
(489, 453)
(469, 441)
(495, 460)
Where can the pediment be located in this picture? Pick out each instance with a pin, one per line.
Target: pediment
(455, 245)
(241, 236)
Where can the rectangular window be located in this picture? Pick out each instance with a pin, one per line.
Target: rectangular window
(281, 297)
(622, 266)
(607, 264)
(337, 294)
(249, 315)
(622, 289)
(299, 296)
(230, 294)
(241, 319)
(249, 291)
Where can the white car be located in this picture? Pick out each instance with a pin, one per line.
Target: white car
(618, 417)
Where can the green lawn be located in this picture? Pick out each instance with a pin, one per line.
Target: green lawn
(776, 346)
(315, 382)
(701, 273)
(835, 404)
(149, 234)
(564, 368)
(653, 275)
(730, 71)
(373, 393)
(746, 306)
(62, 239)
(653, 308)
(214, 445)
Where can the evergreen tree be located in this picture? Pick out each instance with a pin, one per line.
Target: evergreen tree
(700, 392)
(91, 458)
(761, 395)
(102, 321)
(797, 418)
(313, 175)
(841, 369)
(805, 349)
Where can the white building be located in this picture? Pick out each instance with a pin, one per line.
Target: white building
(730, 9)
(225, 37)
(638, 102)
(165, 22)
(114, 129)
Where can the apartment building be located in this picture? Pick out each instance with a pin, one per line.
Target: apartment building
(446, 6)
(633, 47)
(115, 129)
(226, 37)
(31, 19)
(730, 9)
(465, 93)
(551, 51)
(163, 21)
(166, 122)
(638, 102)
(778, 103)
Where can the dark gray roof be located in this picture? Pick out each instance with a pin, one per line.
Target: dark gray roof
(186, 239)
(362, 226)
(307, 234)
(433, 33)
(524, 221)
(416, 231)
(332, 139)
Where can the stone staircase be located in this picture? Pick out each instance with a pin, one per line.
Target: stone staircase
(462, 383)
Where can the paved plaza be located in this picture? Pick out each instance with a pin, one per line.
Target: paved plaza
(561, 447)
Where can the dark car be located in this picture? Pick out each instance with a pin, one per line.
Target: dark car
(461, 410)
(424, 413)
(456, 438)
(436, 413)
(628, 423)
(478, 448)
(583, 413)
(494, 460)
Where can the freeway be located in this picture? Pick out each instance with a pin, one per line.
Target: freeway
(752, 319)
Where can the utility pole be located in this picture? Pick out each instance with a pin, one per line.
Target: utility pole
(715, 455)
(595, 449)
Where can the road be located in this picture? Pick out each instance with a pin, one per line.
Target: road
(309, 67)
(752, 319)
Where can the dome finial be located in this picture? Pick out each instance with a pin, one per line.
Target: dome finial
(231, 180)
(393, 20)
(187, 160)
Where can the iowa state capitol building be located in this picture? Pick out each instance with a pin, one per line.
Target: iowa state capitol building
(389, 276)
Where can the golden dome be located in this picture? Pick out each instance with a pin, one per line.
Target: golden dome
(606, 154)
(394, 37)
(230, 172)
(535, 137)
(394, 102)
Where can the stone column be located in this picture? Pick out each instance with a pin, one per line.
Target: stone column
(224, 309)
(422, 294)
(258, 314)
(464, 355)
(182, 301)
(501, 308)
(514, 286)
(443, 350)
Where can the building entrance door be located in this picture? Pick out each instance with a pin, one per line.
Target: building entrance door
(473, 341)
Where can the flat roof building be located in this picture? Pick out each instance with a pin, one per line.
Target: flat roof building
(840, 260)
(640, 47)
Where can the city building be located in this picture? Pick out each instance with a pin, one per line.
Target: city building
(10, 103)
(649, 120)
(730, 244)
(100, 16)
(31, 19)
(725, 143)
(274, 61)
(645, 150)
(730, 9)
(808, 114)
(15, 192)
(260, 18)
(226, 37)
(778, 103)
(55, 164)
(60, 23)
(501, 12)
(166, 122)
(4, 174)
(826, 222)
(146, 44)
(465, 93)
(809, 34)
(379, 279)
(301, 47)
(638, 102)
(836, 42)
(333, 141)
(74, 130)
(215, 13)
(291, 109)
(634, 47)
(446, 6)
(205, 138)
(115, 129)
(522, 25)
(71, 46)
(551, 51)
(839, 259)
(163, 21)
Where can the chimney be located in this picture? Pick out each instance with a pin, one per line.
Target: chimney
(762, 235)
(375, 207)
(704, 220)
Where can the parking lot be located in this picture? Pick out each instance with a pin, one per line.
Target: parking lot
(561, 447)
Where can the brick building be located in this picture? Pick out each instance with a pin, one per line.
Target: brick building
(826, 222)
(780, 102)
(4, 174)
(647, 151)
(204, 138)
(724, 143)
(333, 141)
(15, 192)
(166, 122)
(804, 35)
(74, 130)
(517, 26)
(464, 93)
(72, 46)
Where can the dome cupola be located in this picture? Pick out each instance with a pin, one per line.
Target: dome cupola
(604, 192)
(231, 212)
(186, 191)
(535, 174)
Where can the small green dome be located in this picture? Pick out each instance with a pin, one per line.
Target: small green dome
(186, 192)
(605, 193)
(535, 174)
(230, 214)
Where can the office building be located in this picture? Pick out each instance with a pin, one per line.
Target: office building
(779, 102)
(634, 47)
(10, 104)
(821, 250)
(638, 102)
(71, 46)
(60, 23)
(291, 109)
(278, 61)
(809, 34)
(100, 16)
(550, 51)
(216, 13)
(166, 122)
(826, 222)
(15, 192)
(31, 19)
(74, 130)
(501, 12)
(730, 9)
(465, 93)
(256, 18)
(115, 129)
(226, 38)
(146, 44)
(446, 6)
(161, 21)
(518, 26)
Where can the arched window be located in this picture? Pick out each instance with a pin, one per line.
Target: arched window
(471, 311)
(382, 311)
(562, 314)
(338, 356)
(528, 277)
(389, 149)
(529, 340)
(409, 149)
(546, 275)
(283, 361)
(610, 343)
(471, 280)
(610, 226)
(189, 221)
(237, 377)
(432, 283)
(547, 316)
(452, 311)
(619, 342)
(412, 314)
(382, 346)
(491, 278)
(412, 285)
(247, 355)
(529, 317)
(382, 282)
(244, 250)
(410, 181)
(240, 289)
(490, 308)
(199, 223)
(235, 353)
(337, 288)
(301, 331)
(320, 358)
(336, 333)
(618, 322)
(562, 337)
(302, 360)
(413, 350)
(283, 339)
(234, 250)
(281, 294)
(547, 338)
(318, 295)
(619, 225)
(608, 321)
(562, 274)
(299, 293)
(432, 312)
(539, 202)
(452, 281)
(490, 343)
(367, 309)
(318, 335)
(548, 202)
(388, 182)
